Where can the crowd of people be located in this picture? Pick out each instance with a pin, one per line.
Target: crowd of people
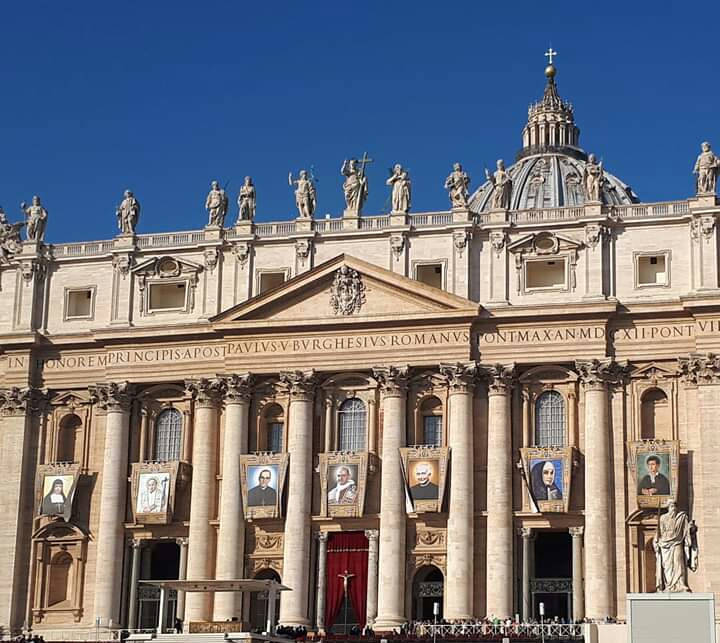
(28, 638)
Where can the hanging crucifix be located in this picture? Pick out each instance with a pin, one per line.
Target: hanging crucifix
(346, 577)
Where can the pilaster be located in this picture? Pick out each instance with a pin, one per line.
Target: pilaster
(373, 537)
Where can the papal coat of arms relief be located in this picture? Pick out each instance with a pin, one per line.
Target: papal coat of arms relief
(347, 294)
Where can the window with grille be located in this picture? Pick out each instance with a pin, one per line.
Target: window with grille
(168, 435)
(432, 430)
(275, 432)
(550, 420)
(352, 423)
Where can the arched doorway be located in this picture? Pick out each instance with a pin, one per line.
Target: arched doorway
(428, 589)
(259, 603)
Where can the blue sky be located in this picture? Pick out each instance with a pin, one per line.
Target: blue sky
(163, 97)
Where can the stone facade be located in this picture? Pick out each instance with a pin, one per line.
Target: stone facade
(469, 316)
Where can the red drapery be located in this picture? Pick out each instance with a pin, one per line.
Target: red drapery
(347, 552)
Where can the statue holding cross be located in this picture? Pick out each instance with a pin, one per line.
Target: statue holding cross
(355, 186)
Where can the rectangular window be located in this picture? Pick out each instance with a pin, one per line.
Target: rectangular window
(79, 303)
(430, 274)
(275, 437)
(170, 296)
(652, 270)
(545, 273)
(432, 430)
(270, 279)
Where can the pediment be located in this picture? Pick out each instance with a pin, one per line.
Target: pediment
(544, 243)
(70, 399)
(167, 266)
(654, 371)
(345, 290)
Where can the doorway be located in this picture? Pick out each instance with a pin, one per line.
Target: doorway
(428, 589)
(160, 561)
(552, 582)
(259, 603)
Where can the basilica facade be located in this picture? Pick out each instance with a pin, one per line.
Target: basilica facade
(483, 408)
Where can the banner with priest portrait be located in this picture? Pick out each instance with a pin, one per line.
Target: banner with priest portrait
(424, 470)
(262, 478)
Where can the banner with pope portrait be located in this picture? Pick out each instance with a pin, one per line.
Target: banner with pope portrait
(153, 492)
(343, 479)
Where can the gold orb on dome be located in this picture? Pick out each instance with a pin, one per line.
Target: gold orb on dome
(550, 71)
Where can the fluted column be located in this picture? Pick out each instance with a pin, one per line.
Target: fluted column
(528, 537)
(136, 546)
(578, 595)
(499, 493)
(595, 376)
(182, 575)
(296, 551)
(321, 580)
(461, 509)
(391, 585)
(231, 533)
(207, 395)
(372, 588)
(115, 398)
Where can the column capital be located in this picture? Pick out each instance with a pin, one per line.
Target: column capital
(393, 380)
(112, 396)
(300, 385)
(206, 392)
(460, 378)
(18, 401)
(238, 388)
(372, 534)
(183, 542)
(499, 377)
(576, 532)
(598, 374)
(322, 537)
(136, 543)
(700, 368)
(526, 533)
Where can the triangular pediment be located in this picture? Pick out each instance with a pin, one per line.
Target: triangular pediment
(544, 243)
(344, 290)
(654, 370)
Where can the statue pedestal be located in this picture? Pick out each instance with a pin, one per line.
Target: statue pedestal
(124, 241)
(496, 216)
(593, 209)
(680, 617)
(31, 247)
(303, 224)
(398, 218)
(703, 201)
(213, 233)
(461, 215)
(351, 219)
(243, 227)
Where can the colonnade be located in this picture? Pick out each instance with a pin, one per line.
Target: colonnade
(386, 604)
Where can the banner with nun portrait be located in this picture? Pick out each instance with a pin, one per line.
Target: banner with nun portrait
(153, 492)
(425, 472)
(262, 479)
(343, 477)
(654, 467)
(56, 484)
(547, 474)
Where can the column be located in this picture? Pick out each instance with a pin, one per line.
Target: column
(391, 587)
(231, 533)
(329, 412)
(17, 503)
(182, 575)
(372, 426)
(207, 395)
(296, 552)
(528, 552)
(372, 588)
(115, 398)
(578, 596)
(136, 546)
(595, 376)
(460, 524)
(321, 580)
(499, 493)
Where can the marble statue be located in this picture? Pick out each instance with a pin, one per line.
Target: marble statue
(9, 236)
(36, 217)
(457, 185)
(355, 186)
(502, 183)
(675, 550)
(592, 179)
(401, 193)
(246, 201)
(216, 204)
(305, 194)
(707, 168)
(128, 213)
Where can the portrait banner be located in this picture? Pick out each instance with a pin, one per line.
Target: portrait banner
(153, 491)
(343, 479)
(424, 472)
(547, 473)
(56, 484)
(262, 479)
(654, 470)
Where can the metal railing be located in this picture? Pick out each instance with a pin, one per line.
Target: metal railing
(482, 630)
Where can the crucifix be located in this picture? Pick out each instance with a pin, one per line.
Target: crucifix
(550, 53)
(363, 162)
(346, 577)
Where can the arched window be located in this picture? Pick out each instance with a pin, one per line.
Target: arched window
(275, 429)
(168, 435)
(352, 423)
(431, 413)
(70, 427)
(59, 581)
(550, 420)
(655, 416)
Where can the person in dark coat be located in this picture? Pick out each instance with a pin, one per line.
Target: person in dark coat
(653, 483)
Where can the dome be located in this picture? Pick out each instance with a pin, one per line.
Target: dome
(549, 169)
